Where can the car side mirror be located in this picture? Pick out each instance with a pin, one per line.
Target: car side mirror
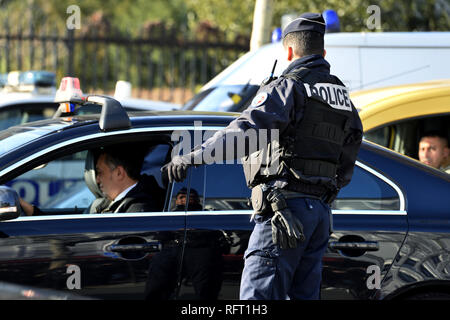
(9, 204)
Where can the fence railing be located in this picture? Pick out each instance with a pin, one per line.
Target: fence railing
(166, 67)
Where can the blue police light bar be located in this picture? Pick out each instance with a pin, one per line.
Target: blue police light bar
(276, 35)
(38, 78)
(331, 20)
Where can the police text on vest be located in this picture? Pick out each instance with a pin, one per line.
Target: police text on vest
(335, 95)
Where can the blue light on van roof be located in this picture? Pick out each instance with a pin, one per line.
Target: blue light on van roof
(276, 35)
(38, 78)
(331, 20)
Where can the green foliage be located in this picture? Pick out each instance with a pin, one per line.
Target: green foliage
(234, 17)
(231, 17)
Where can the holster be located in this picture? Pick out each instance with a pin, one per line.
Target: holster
(265, 200)
(331, 196)
(277, 200)
(259, 200)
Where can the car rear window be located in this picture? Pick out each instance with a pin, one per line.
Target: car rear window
(367, 192)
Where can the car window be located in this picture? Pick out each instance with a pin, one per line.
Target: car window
(367, 192)
(21, 113)
(57, 179)
(404, 136)
(60, 186)
(379, 136)
(222, 187)
(219, 187)
(179, 196)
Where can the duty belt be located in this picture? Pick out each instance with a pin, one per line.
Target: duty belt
(294, 191)
(292, 194)
(308, 189)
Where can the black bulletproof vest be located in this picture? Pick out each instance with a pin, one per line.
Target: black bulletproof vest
(310, 149)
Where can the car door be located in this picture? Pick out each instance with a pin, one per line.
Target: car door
(103, 256)
(369, 227)
(370, 224)
(218, 228)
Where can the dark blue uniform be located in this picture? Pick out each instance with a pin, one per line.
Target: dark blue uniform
(271, 272)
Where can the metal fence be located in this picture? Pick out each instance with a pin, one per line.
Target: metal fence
(167, 67)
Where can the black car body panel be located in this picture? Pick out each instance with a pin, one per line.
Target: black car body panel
(391, 223)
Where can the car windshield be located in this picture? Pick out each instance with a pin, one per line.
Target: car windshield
(17, 136)
(27, 112)
(224, 98)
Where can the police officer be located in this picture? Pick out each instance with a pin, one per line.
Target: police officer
(319, 135)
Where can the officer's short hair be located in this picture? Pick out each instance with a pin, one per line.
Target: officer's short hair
(305, 43)
(130, 157)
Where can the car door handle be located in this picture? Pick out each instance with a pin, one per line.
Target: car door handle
(354, 245)
(143, 247)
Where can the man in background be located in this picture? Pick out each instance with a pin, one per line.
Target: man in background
(434, 151)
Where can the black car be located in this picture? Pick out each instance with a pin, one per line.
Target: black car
(391, 235)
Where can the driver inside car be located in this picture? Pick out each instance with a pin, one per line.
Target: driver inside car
(123, 188)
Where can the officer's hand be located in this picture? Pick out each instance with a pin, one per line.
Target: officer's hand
(287, 230)
(177, 168)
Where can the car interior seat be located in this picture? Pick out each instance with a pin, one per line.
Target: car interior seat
(153, 161)
(91, 181)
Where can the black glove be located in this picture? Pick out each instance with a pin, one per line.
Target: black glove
(177, 168)
(287, 230)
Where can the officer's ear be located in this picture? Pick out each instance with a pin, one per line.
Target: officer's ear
(324, 53)
(289, 53)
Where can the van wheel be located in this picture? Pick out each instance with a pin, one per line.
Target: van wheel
(429, 296)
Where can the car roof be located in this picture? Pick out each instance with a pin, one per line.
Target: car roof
(136, 117)
(24, 98)
(391, 104)
(14, 98)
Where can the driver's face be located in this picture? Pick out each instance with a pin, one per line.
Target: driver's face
(106, 178)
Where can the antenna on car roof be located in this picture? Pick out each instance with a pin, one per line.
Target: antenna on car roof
(69, 95)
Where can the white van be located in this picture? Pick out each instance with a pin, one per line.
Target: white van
(360, 60)
(381, 59)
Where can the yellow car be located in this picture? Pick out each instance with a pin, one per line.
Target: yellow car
(396, 117)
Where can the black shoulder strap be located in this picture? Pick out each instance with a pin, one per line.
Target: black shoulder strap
(298, 74)
(305, 75)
